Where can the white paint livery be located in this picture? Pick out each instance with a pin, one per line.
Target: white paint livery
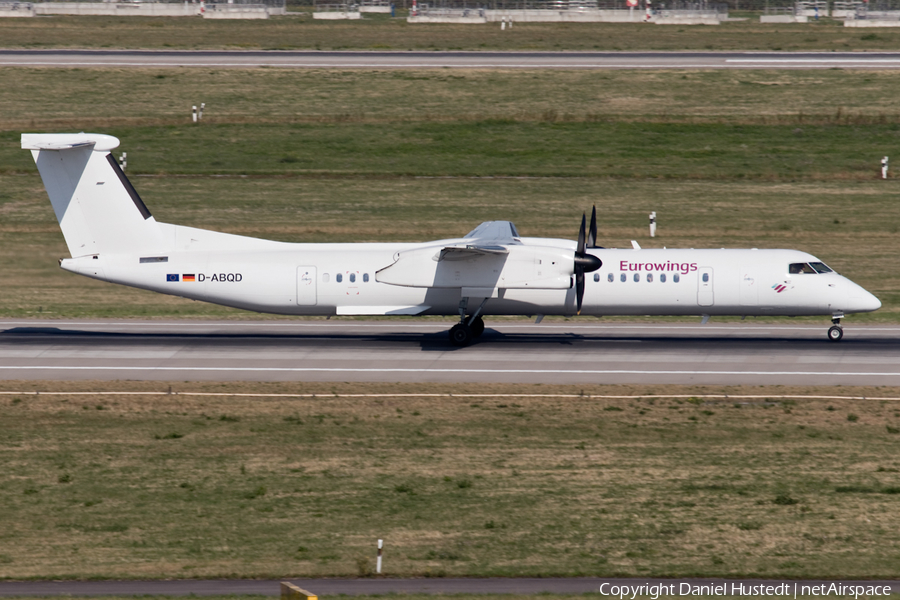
(112, 237)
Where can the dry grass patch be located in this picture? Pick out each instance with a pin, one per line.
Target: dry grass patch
(48, 99)
(180, 485)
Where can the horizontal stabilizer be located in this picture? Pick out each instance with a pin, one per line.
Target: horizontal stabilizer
(68, 141)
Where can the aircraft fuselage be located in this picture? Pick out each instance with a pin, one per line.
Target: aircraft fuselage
(334, 279)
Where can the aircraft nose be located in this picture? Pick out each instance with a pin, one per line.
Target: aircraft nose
(861, 300)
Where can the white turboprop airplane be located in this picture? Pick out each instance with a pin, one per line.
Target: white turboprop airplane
(491, 271)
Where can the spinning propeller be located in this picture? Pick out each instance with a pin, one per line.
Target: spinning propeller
(584, 262)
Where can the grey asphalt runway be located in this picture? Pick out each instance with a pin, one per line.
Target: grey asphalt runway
(581, 351)
(355, 587)
(468, 60)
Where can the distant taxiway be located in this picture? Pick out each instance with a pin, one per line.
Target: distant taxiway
(438, 60)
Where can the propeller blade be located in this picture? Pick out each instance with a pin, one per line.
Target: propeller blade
(579, 251)
(584, 262)
(592, 232)
(579, 289)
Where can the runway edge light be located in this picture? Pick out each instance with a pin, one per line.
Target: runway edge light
(378, 562)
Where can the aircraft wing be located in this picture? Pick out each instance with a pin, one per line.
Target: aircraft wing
(470, 251)
(491, 257)
(499, 231)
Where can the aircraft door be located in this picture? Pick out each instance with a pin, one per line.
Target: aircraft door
(705, 286)
(306, 286)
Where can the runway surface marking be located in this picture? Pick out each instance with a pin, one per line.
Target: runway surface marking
(750, 65)
(461, 371)
(454, 60)
(815, 60)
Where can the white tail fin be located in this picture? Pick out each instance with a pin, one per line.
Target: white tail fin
(97, 208)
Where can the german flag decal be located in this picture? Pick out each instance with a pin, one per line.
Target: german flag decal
(188, 277)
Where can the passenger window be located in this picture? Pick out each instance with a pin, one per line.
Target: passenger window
(352, 277)
(596, 276)
(676, 278)
(637, 277)
(365, 278)
(649, 277)
(623, 277)
(324, 277)
(662, 277)
(610, 278)
(339, 278)
(706, 278)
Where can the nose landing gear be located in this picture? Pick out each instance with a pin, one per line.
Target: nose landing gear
(836, 332)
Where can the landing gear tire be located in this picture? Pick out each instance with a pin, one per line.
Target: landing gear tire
(477, 327)
(835, 334)
(461, 335)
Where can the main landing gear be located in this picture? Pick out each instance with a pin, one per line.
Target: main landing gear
(469, 328)
(836, 332)
(462, 334)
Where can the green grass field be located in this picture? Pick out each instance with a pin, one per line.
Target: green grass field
(378, 32)
(727, 159)
(187, 486)
(193, 486)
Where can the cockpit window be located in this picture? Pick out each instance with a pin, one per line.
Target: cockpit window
(795, 268)
(820, 267)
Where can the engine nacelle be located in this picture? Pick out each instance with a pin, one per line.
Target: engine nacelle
(520, 267)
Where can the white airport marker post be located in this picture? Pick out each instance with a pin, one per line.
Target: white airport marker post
(378, 561)
(194, 113)
(653, 224)
(202, 106)
(884, 167)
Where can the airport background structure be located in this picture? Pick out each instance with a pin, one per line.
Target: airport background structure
(854, 13)
(212, 9)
